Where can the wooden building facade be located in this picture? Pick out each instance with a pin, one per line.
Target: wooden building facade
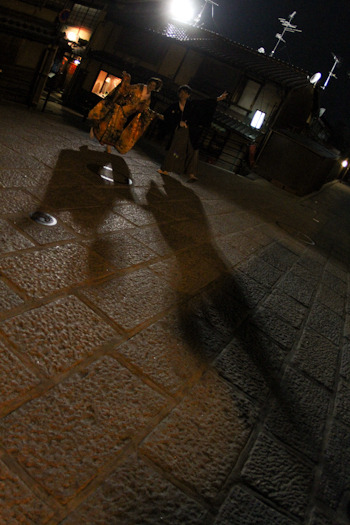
(266, 95)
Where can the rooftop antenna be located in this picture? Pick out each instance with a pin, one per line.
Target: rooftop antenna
(288, 26)
(199, 16)
(331, 74)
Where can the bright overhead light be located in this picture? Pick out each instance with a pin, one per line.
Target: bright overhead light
(258, 119)
(182, 10)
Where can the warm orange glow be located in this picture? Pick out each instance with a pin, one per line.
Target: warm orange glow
(105, 83)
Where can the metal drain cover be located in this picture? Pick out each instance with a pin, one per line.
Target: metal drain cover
(43, 218)
(107, 173)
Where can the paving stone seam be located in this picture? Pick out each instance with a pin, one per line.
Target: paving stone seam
(33, 485)
(293, 453)
(126, 333)
(130, 448)
(16, 290)
(177, 402)
(331, 418)
(327, 429)
(236, 473)
(263, 499)
(36, 302)
(39, 248)
(13, 225)
(96, 482)
(291, 363)
(21, 356)
(47, 383)
(99, 477)
(285, 363)
(183, 486)
(178, 395)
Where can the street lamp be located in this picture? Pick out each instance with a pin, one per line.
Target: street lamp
(182, 10)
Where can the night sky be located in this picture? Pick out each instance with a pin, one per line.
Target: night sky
(325, 26)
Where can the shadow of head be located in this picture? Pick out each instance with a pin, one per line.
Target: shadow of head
(79, 176)
(79, 195)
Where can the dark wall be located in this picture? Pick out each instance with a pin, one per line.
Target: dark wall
(295, 166)
(296, 109)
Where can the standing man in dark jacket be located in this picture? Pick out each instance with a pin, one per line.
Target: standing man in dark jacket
(184, 120)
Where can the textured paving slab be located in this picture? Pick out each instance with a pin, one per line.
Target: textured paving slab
(172, 365)
(217, 420)
(18, 503)
(40, 273)
(58, 335)
(135, 493)
(279, 475)
(91, 416)
(8, 298)
(150, 297)
(242, 508)
(16, 378)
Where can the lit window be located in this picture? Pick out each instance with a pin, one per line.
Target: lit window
(258, 119)
(105, 83)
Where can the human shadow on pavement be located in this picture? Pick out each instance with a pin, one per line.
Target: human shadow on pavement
(220, 320)
(219, 307)
(83, 191)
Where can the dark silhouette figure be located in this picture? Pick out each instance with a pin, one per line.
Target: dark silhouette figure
(83, 191)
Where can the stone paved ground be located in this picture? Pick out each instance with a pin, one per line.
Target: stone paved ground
(170, 353)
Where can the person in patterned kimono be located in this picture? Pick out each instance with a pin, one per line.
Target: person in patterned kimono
(124, 115)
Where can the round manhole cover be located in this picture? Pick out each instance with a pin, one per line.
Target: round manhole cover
(43, 218)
